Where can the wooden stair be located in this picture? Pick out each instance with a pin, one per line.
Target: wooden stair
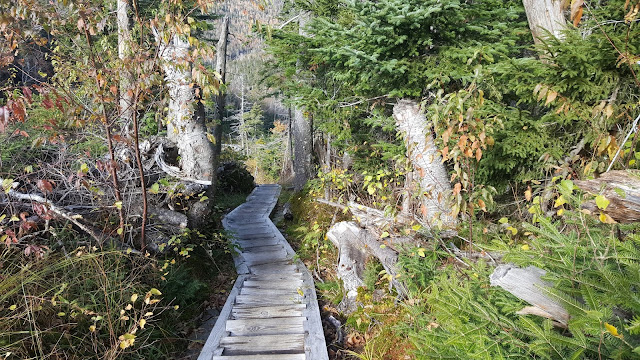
(272, 312)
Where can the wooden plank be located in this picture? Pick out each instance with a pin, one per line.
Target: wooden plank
(265, 257)
(272, 268)
(273, 311)
(274, 326)
(275, 277)
(270, 344)
(261, 357)
(264, 248)
(288, 284)
(248, 244)
(268, 292)
(218, 331)
(271, 300)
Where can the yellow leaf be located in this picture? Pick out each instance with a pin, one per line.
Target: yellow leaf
(559, 201)
(602, 202)
(513, 230)
(560, 212)
(384, 234)
(12, 307)
(134, 297)
(142, 323)
(525, 247)
(605, 218)
(92, 328)
(612, 329)
(155, 291)
(118, 204)
(300, 292)
(503, 220)
(421, 252)
(528, 194)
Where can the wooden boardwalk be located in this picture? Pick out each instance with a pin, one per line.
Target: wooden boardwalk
(272, 311)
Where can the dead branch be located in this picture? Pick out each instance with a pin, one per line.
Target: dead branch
(527, 284)
(54, 209)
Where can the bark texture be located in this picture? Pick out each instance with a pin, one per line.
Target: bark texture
(184, 128)
(124, 53)
(355, 245)
(302, 133)
(545, 16)
(303, 144)
(429, 171)
(621, 188)
(527, 284)
(221, 68)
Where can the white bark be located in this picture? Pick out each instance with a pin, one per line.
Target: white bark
(433, 181)
(185, 129)
(124, 53)
(302, 133)
(355, 245)
(545, 16)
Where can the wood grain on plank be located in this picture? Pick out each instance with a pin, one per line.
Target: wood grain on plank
(274, 326)
(265, 343)
(273, 311)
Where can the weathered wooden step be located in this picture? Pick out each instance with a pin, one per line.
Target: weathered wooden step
(265, 257)
(287, 284)
(272, 268)
(261, 357)
(267, 293)
(274, 311)
(246, 244)
(275, 277)
(264, 248)
(265, 343)
(257, 300)
(274, 326)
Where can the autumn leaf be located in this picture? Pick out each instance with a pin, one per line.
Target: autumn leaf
(44, 186)
(612, 330)
(528, 194)
(602, 202)
(576, 11)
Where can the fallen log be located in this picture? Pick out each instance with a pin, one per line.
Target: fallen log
(621, 188)
(527, 284)
(355, 246)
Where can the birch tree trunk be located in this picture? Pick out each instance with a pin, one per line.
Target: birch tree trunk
(124, 53)
(429, 170)
(184, 127)
(545, 16)
(302, 134)
(221, 68)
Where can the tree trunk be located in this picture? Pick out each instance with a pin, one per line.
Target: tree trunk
(287, 160)
(545, 16)
(355, 245)
(302, 133)
(221, 68)
(184, 127)
(429, 170)
(303, 144)
(124, 53)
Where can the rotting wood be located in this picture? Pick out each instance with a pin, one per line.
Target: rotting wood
(621, 188)
(527, 284)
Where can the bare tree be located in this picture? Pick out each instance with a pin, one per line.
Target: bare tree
(429, 171)
(545, 16)
(302, 134)
(124, 53)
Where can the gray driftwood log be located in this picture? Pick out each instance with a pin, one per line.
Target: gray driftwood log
(355, 246)
(527, 284)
